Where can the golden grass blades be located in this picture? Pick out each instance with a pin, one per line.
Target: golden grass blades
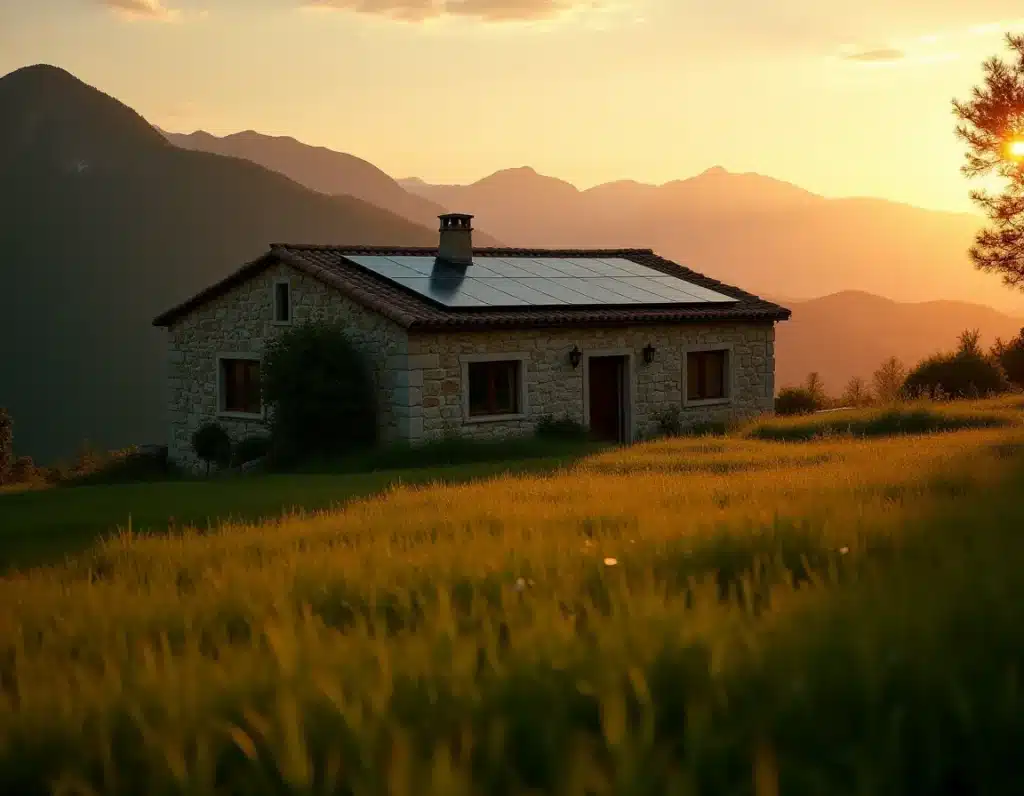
(461, 638)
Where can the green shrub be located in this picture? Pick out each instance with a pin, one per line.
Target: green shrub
(23, 470)
(320, 394)
(669, 421)
(251, 448)
(6, 445)
(565, 428)
(795, 401)
(884, 423)
(212, 445)
(957, 376)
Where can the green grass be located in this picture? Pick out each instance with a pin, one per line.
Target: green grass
(917, 418)
(45, 524)
(842, 617)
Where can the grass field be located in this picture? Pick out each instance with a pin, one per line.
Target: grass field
(41, 525)
(718, 615)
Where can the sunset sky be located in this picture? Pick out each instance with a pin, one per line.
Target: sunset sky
(840, 98)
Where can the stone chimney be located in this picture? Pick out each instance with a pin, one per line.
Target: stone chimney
(456, 244)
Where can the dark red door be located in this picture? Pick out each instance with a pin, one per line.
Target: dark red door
(607, 407)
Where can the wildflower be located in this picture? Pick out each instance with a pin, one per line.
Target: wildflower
(520, 584)
(610, 562)
(844, 550)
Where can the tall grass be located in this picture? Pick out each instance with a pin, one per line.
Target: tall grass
(668, 618)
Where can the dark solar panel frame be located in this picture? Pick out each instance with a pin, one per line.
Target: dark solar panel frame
(511, 282)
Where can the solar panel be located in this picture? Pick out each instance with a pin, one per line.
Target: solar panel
(537, 282)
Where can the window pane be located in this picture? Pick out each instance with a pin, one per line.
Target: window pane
(693, 364)
(494, 388)
(478, 388)
(252, 387)
(714, 374)
(504, 388)
(241, 385)
(282, 303)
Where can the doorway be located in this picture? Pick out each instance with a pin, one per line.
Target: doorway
(607, 398)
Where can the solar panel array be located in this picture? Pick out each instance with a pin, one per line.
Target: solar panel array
(537, 282)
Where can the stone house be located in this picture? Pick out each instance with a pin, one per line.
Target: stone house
(481, 342)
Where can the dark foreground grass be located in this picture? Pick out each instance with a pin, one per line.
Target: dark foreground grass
(44, 525)
(815, 636)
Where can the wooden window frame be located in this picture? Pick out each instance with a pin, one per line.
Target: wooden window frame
(728, 374)
(222, 390)
(520, 359)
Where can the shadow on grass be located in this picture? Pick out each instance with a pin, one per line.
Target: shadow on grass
(45, 525)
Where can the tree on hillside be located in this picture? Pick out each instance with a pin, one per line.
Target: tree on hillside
(816, 389)
(856, 393)
(1011, 356)
(887, 381)
(992, 126)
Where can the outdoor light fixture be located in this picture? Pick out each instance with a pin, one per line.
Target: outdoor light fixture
(575, 357)
(648, 354)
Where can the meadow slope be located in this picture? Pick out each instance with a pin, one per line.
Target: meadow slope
(686, 616)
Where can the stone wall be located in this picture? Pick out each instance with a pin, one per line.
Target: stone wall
(240, 322)
(432, 393)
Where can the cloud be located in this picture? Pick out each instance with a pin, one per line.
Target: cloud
(141, 9)
(876, 55)
(483, 10)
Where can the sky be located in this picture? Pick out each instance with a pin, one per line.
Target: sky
(845, 99)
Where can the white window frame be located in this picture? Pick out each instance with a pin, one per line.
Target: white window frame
(522, 358)
(730, 374)
(629, 393)
(273, 303)
(221, 412)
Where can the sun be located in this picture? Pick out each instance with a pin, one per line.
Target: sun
(1016, 148)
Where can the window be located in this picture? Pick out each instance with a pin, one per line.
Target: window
(494, 388)
(706, 374)
(240, 386)
(282, 302)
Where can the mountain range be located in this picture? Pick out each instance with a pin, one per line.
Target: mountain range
(106, 220)
(103, 225)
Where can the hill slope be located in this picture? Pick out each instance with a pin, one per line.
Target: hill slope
(851, 333)
(103, 224)
(322, 170)
(765, 235)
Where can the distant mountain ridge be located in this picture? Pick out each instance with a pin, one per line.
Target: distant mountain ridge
(851, 333)
(322, 170)
(104, 224)
(763, 234)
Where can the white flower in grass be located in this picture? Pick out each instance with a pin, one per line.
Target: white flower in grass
(610, 562)
(844, 550)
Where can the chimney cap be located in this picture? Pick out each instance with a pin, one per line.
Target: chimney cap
(451, 221)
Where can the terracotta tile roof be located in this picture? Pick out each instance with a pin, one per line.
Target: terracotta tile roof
(330, 265)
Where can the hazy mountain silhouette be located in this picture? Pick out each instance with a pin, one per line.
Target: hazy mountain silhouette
(103, 224)
(851, 333)
(764, 234)
(322, 170)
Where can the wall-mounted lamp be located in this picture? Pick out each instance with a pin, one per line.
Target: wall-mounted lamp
(648, 354)
(575, 357)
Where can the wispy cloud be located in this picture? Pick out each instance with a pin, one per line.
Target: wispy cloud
(142, 9)
(482, 10)
(875, 55)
